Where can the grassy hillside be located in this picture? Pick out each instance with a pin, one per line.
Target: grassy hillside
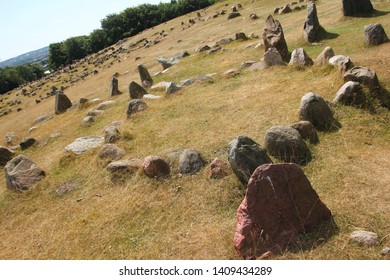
(194, 217)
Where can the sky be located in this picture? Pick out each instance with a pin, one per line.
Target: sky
(28, 25)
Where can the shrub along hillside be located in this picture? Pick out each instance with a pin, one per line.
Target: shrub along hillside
(192, 216)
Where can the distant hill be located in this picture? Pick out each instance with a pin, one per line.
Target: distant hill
(38, 56)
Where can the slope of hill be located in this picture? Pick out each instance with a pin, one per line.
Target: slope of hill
(38, 56)
(194, 217)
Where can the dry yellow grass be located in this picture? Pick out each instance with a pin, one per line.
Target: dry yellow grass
(193, 217)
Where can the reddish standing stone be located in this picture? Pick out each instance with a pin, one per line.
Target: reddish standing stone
(279, 204)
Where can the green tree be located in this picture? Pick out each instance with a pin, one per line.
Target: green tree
(76, 48)
(98, 39)
(57, 56)
(114, 26)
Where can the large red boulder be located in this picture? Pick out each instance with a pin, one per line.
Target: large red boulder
(279, 204)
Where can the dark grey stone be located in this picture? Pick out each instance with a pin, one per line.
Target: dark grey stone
(61, 103)
(114, 87)
(286, 144)
(312, 25)
(27, 143)
(190, 162)
(244, 156)
(316, 110)
(375, 34)
(136, 91)
(144, 75)
(357, 7)
(351, 93)
(134, 106)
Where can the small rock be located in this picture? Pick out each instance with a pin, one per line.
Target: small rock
(244, 156)
(364, 238)
(190, 162)
(300, 57)
(155, 166)
(351, 93)
(364, 76)
(83, 144)
(87, 121)
(27, 143)
(32, 129)
(66, 187)
(21, 173)
(94, 113)
(307, 131)
(219, 169)
(385, 251)
(334, 60)
(111, 152)
(286, 144)
(203, 48)
(272, 57)
(42, 118)
(233, 15)
(257, 66)
(324, 56)
(105, 105)
(247, 64)
(240, 36)
(172, 88)
(111, 134)
(316, 110)
(375, 34)
(232, 72)
(125, 167)
(134, 106)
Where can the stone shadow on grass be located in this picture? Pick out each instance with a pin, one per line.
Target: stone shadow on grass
(315, 238)
(325, 35)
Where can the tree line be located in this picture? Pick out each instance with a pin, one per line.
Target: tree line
(115, 27)
(12, 77)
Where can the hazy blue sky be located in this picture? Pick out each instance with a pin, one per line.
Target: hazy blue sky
(27, 25)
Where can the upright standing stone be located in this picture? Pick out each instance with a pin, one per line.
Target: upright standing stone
(21, 173)
(114, 88)
(61, 103)
(279, 204)
(244, 156)
(357, 7)
(273, 37)
(136, 91)
(312, 25)
(144, 75)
